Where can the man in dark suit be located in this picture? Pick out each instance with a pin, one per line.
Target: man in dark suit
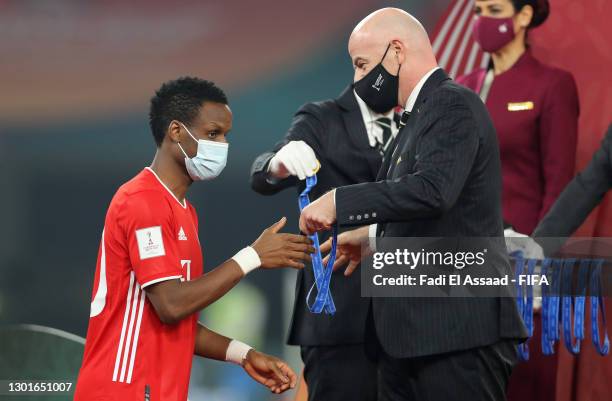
(580, 196)
(572, 207)
(443, 180)
(347, 139)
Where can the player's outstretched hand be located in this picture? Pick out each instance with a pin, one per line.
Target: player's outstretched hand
(276, 249)
(351, 248)
(270, 371)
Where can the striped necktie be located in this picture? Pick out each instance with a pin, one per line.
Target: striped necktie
(385, 124)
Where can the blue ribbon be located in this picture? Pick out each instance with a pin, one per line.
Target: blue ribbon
(560, 275)
(524, 302)
(548, 343)
(568, 301)
(596, 300)
(322, 274)
(555, 301)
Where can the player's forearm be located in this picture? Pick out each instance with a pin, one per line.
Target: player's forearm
(209, 344)
(175, 300)
(212, 345)
(197, 294)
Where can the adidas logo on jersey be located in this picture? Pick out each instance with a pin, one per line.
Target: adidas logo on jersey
(181, 235)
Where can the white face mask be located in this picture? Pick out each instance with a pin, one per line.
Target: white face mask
(209, 160)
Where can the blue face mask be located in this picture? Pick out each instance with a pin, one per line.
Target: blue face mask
(209, 161)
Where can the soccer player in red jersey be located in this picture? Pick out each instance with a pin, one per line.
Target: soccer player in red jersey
(149, 287)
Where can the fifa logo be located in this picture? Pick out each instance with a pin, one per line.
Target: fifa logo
(378, 83)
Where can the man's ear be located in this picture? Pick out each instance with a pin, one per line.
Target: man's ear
(398, 49)
(174, 130)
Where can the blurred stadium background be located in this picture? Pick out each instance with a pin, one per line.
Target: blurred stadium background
(76, 78)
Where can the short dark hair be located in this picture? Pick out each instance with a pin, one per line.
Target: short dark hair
(181, 100)
(541, 9)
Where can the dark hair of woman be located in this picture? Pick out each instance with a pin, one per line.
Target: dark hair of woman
(541, 9)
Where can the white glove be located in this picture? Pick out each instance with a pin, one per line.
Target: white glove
(520, 242)
(295, 158)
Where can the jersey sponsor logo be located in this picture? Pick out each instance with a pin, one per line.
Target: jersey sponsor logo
(181, 235)
(150, 242)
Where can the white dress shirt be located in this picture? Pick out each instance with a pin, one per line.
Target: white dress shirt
(417, 89)
(374, 130)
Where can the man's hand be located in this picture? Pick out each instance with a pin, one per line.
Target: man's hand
(319, 215)
(270, 371)
(295, 158)
(282, 249)
(352, 247)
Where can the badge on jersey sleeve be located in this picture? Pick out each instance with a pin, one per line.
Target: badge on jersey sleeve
(150, 242)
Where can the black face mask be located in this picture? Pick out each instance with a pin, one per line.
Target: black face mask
(379, 89)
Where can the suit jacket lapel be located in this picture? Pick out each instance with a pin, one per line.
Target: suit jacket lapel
(353, 121)
(431, 83)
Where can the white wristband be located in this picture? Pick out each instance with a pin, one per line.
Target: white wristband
(237, 352)
(248, 259)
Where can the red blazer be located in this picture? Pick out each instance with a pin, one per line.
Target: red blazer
(535, 110)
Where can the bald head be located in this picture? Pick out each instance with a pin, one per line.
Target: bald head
(408, 43)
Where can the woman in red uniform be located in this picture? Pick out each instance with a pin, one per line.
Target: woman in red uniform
(534, 108)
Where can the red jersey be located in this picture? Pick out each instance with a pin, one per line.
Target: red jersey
(148, 237)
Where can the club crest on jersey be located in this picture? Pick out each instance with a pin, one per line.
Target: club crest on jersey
(150, 242)
(181, 235)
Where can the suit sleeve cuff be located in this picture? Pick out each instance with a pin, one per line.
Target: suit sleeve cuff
(351, 208)
(261, 163)
(264, 168)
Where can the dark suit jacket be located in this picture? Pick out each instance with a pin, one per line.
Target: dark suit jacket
(580, 196)
(443, 180)
(334, 129)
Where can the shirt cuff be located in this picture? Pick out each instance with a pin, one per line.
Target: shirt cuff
(372, 236)
(270, 179)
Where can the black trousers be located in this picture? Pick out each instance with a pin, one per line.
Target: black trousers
(479, 374)
(339, 372)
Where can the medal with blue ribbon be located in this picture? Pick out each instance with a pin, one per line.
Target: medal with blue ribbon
(596, 301)
(550, 329)
(558, 301)
(547, 343)
(568, 300)
(524, 301)
(322, 274)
